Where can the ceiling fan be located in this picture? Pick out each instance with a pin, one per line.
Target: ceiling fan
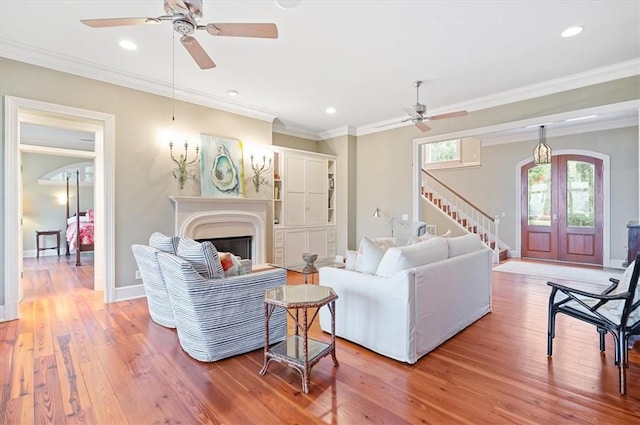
(418, 112)
(184, 15)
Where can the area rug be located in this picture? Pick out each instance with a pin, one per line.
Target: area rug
(559, 272)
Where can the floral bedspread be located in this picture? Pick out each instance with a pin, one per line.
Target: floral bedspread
(86, 234)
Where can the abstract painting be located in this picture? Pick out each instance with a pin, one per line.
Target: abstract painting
(221, 167)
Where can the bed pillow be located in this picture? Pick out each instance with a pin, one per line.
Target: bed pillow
(90, 215)
(410, 256)
(203, 256)
(369, 256)
(464, 244)
(164, 243)
(231, 264)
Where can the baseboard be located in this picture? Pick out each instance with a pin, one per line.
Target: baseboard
(615, 264)
(31, 253)
(129, 293)
(611, 263)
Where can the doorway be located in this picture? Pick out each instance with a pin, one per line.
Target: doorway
(562, 209)
(18, 111)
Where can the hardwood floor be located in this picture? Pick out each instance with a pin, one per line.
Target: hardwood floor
(71, 359)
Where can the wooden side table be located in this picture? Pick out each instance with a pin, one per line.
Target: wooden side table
(47, 233)
(298, 350)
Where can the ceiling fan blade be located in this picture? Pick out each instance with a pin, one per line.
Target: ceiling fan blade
(243, 30)
(422, 126)
(449, 115)
(119, 22)
(197, 52)
(410, 111)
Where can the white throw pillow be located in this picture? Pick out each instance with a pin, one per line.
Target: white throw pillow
(351, 258)
(385, 243)
(369, 256)
(406, 257)
(203, 256)
(464, 244)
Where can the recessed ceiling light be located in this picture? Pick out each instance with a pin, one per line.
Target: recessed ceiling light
(571, 31)
(287, 4)
(128, 45)
(330, 110)
(586, 117)
(232, 93)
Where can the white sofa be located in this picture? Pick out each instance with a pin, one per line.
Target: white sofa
(420, 296)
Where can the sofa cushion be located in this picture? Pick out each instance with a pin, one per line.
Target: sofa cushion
(406, 257)
(369, 256)
(164, 243)
(464, 244)
(203, 256)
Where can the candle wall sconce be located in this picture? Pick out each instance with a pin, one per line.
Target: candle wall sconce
(182, 172)
(260, 172)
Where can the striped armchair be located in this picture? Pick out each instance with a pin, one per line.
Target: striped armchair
(155, 288)
(220, 318)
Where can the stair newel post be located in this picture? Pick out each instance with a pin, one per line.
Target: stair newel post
(496, 248)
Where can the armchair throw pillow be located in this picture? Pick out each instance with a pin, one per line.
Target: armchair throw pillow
(203, 256)
(164, 243)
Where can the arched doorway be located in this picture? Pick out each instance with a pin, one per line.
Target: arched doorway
(562, 207)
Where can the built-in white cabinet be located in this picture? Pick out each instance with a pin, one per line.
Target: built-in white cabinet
(305, 191)
(303, 205)
(305, 239)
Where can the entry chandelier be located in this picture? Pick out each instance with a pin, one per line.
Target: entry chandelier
(542, 152)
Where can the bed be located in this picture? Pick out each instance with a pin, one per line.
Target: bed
(79, 233)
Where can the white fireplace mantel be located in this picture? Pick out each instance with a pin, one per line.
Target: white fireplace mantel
(201, 217)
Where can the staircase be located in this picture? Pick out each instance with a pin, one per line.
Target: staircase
(464, 214)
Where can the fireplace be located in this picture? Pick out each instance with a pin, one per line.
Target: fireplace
(203, 218)
(237, 245)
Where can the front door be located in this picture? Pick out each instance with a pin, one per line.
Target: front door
(562, 209)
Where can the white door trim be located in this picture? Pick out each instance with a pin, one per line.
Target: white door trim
(17, 110)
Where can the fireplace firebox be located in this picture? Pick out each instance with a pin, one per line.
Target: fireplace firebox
(237, 245)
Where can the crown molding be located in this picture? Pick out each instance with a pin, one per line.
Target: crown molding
(595, 76)
(14, 50)
(11, 49)
(346, 130)
(295, 132)
(488, 132)
(532, 133)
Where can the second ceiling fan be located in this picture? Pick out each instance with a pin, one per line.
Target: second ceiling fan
(184, 15)
(418, 112)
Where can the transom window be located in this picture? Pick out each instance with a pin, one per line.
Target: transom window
(448, 150)
(59, 175)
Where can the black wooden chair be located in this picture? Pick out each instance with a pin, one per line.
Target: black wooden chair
(615, 310)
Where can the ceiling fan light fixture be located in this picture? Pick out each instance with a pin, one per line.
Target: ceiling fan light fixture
(542, 152)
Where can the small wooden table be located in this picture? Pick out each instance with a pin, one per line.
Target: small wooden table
(47, 233)
(298, 350)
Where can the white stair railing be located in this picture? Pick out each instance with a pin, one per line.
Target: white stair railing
(464, 213)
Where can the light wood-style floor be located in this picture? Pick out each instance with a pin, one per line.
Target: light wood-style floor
(71, 359)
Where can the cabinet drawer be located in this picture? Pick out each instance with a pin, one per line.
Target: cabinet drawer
(278, 238)
(331, 234)
(278, 256)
